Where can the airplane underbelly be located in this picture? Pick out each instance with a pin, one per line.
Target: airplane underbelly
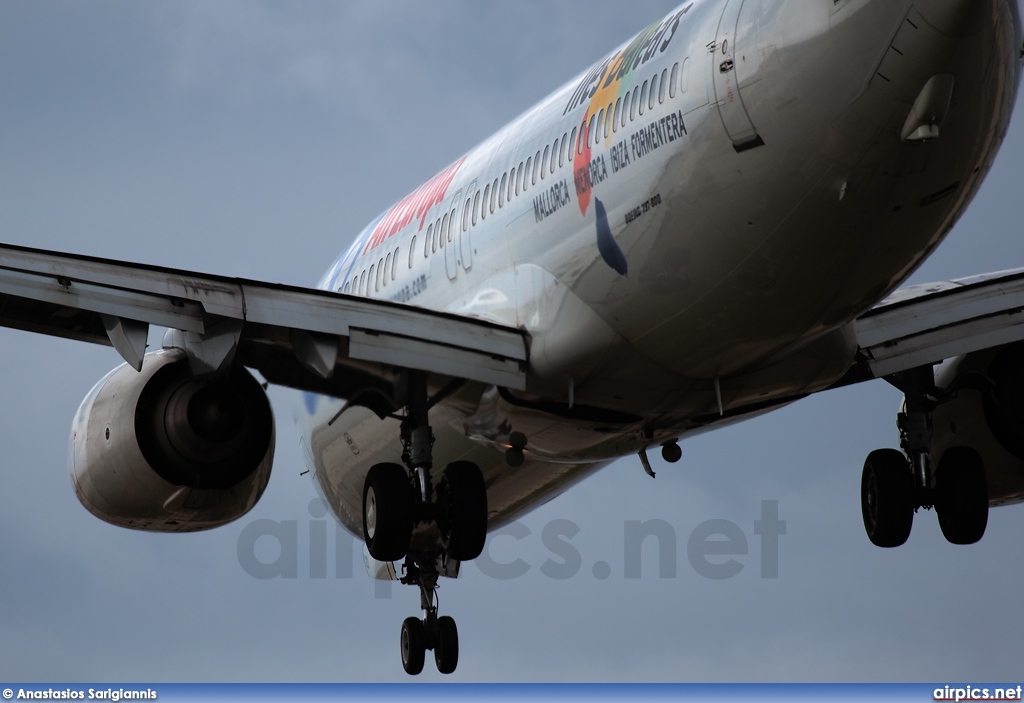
(342, 451)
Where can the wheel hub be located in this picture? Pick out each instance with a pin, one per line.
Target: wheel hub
(371, 514)
(871, 499)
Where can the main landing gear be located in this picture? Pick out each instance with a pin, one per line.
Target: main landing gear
(895, 484)
(395, 500)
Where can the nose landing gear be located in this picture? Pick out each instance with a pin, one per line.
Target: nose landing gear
(431, 632)
(396, 500)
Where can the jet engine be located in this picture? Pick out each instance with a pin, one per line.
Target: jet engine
(160, 450)
(985, 411)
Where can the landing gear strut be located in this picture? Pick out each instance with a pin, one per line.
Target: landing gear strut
(895, 484)
(431, 632)
(395, 501)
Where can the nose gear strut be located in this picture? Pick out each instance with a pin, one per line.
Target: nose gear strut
(431, 632)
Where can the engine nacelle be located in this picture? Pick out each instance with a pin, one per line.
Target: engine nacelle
(986, 412)
(159, 450)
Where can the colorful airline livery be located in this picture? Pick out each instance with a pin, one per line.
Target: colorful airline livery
(752, 179)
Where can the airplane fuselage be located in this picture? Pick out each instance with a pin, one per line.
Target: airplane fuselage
(686, 230)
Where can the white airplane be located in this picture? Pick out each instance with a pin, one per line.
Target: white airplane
(706, 225)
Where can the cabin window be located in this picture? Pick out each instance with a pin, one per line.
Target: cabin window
(394, 264)
(643, 97)
(487, 194)
(373, 271)
(412, 249)
(662, 88)
(526, 178)
(561, 150)
(519, 178)
(511, 183)
(554, 149)
(597, 126)
(572, 143)
(672, 80)
(544, 161)
(476, 205)
(445, 223)
(633, 104)
(465, 214)
(501, 191)
(653, 93)
(387, 267)
(609, 120)
(494, 194)
(536, 164)
(426, 240)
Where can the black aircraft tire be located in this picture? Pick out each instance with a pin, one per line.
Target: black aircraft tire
(446, 651)
(886, 496)
(961, 495)
(413, 646)
(462, 510)
(387, 512)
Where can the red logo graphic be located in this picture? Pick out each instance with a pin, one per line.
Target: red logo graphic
(415, 204)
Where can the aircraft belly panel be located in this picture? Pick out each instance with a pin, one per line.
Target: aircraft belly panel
(343, 451)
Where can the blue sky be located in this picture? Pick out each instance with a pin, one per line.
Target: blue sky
(256, 139)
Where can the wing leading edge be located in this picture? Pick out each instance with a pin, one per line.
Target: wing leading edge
(304, 338)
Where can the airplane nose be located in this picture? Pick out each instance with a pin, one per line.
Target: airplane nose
(857, 63)
(941, 49)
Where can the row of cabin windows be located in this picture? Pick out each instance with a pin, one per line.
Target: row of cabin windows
(518, 179)
(376, 277)
(627, 108)
(606, 122)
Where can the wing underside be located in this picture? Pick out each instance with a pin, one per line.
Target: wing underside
(924, 324)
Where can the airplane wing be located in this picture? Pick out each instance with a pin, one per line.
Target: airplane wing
(344, 345)
(303, 338)
(927, 323)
